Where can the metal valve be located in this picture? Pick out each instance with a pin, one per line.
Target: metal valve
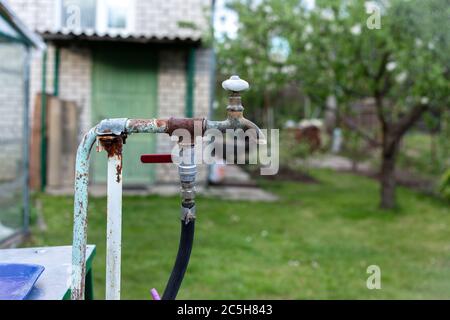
(235, 85)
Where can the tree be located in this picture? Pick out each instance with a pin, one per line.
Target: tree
(260, 53)
(338, 49)
(403, 65)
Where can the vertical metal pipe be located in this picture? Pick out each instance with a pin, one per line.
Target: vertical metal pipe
(56, 71)
(212, 62)
(26, 139)
(212, 76)
(190, 82)
(114, 227)
(44, 122)
(80, 215)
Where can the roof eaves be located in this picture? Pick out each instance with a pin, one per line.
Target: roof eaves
(139, 38)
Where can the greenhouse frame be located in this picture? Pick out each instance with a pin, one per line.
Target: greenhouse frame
(17, 44)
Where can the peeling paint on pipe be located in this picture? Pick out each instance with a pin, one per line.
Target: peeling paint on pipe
(80, 215)
(146, 126)
(106, 128)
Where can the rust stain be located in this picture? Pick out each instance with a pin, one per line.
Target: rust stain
(235, 114)
(82, 289)
(235, 100)
(143, 123)
(119, 170)
(112, 145)
(161, 123)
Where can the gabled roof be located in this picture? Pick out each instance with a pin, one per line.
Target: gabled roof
(13, 27)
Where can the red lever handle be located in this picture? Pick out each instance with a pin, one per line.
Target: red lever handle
(156, 158)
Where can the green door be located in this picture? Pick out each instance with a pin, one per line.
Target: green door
(124, 85)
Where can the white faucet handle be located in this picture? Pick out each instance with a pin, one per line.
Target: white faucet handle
(235, 84)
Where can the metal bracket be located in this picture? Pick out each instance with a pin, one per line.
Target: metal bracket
(115, 127)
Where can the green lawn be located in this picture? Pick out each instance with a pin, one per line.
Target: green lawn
(315, 243)
(419, 157)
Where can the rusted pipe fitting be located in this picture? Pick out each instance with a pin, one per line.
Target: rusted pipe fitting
(195, 127)
(187, 169)
(235, 102)
(111, 144)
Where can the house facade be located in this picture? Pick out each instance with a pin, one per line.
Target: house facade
(132, 59)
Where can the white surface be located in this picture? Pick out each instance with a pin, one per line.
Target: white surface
(5, 232)
(57, 261)
(114, 229)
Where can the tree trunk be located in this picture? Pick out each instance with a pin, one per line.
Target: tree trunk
(387, 174)
(354, 165)
(433, 149)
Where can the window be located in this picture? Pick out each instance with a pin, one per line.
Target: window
(78, 14)
(117, 14)
(98, 15)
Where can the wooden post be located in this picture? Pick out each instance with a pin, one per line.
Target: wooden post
(35, 144)
(55, 142)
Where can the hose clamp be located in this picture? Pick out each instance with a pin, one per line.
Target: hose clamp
(188, 214)
(187, 173)
(187, 194)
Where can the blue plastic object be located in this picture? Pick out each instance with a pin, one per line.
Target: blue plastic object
(17, 280)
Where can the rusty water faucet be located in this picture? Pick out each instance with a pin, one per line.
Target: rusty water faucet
(111, 135)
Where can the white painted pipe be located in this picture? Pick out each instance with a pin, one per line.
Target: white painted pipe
(114, 228)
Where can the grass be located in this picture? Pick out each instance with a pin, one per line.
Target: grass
(315, 243)
(417, 155)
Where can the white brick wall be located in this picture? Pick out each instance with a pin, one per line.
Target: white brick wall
(162, 17)
(152, 17)
(202, 93)
(202, 82)
(36, 14)
(171, 102)
(75, 82)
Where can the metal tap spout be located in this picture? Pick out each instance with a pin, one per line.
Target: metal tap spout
(235, 112)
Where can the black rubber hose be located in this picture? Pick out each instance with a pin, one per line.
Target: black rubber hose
(182, 261)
